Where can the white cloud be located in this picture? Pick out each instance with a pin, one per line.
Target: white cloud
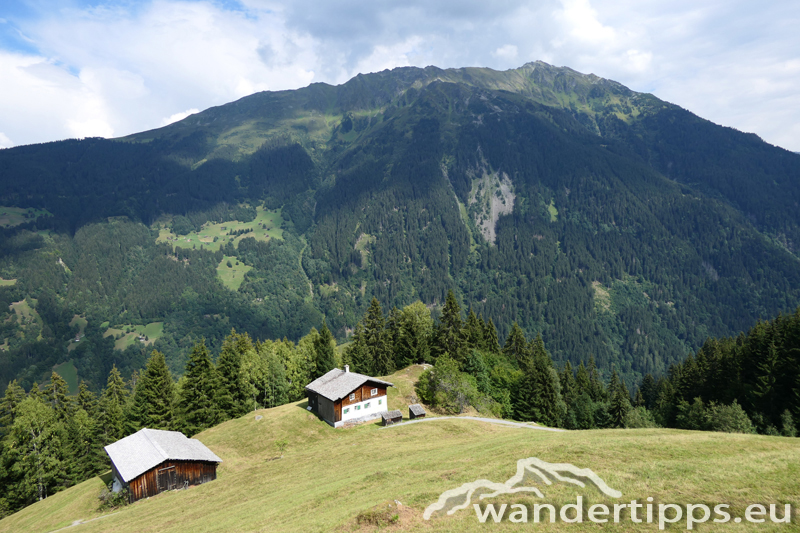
(5, 142)
(508, 52)
(120, 68)
(178, 116)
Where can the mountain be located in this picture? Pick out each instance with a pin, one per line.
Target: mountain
(617, 225)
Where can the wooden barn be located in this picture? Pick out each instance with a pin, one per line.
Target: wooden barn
(341, 397)
(152, 461)
(415, 411)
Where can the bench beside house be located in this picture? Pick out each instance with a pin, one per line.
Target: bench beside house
(152, 461)
(341, 396)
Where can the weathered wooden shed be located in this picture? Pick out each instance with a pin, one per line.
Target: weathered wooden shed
(152, 461)
(391, 417)
(415, 411)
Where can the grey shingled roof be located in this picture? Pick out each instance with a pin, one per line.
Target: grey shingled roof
(416, 409)
(337, 383)
(388, 415)
(136, 454)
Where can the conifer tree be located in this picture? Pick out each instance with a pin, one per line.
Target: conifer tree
(569, 388)
(597, 389)
(620, 401)
(324, 352)
(57, 395)
(376, 341)
(8, 405)
(539, 397)
(449, 339)
(86, 400)
(197, 407)
(357, 356)
(234, 397)
(473, 332)
(111, 417)
(516, 346)
(83, 459)
(582, 381)
(413, 343)
(154, 398)
(490, 342)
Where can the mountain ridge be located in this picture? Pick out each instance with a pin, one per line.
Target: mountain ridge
(636, 228)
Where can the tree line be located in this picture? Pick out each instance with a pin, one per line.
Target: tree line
(50, 440)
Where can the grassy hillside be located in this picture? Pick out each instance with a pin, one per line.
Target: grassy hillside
(329, 478)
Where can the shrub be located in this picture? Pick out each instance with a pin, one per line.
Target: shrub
(728, 418)
(640, 417)
(112, 500)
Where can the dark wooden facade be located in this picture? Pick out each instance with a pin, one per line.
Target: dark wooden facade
(392, 417)
(169, 475)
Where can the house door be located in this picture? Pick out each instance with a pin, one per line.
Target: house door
(166, 479)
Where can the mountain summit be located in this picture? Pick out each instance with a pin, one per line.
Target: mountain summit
(618, 225)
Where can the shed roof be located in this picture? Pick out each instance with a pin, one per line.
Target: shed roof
(136, 454)
(416, 409)
(338, 383)
(389, 415)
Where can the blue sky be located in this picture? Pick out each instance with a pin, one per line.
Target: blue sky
(75, 68)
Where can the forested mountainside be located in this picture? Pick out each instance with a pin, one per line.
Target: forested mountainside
(615, 224)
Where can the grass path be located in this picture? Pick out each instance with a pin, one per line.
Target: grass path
(476, 418)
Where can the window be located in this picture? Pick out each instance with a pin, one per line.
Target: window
(366, 405)
(380, 402)
(358, 407)
(352, 396)
(374, 392)
(346, 410)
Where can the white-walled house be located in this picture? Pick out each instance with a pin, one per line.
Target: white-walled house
(341, 396)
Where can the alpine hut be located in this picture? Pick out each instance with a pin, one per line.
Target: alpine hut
(341, 396)
(152, 461)
(392, 417)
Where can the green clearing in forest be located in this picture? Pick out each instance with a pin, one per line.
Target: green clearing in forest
(14, 216)
(68, 371)
(131, 333)
(232, 276)
(265, 226)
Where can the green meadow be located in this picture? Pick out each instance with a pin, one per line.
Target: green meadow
(232, 276)
(14, 216)
(68, 371)
(266, 225)
(128, 334)
(7, 282)
(348, 479)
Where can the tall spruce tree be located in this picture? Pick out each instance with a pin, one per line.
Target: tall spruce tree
(57, 394)
(111, 414)
(490, 342)
(449, 339)
(198, 407)
(324, 352)
(473, 332)
(376, 341)
(8, 405)
(516, 347)
(234, 395)
(620, 402)
(413, 343)
(153, 404)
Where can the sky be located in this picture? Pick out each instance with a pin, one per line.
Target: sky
(108, 68)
